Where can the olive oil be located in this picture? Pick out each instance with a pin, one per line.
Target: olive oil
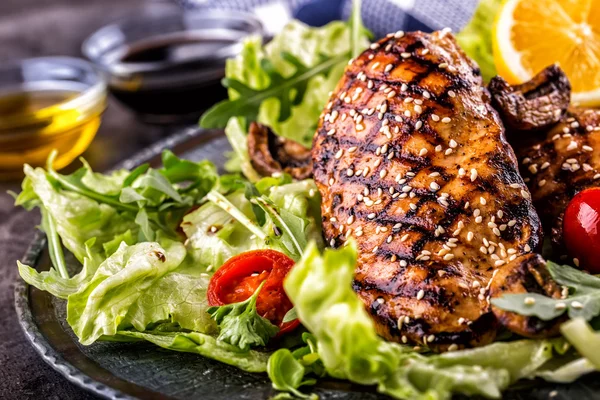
(36, 120)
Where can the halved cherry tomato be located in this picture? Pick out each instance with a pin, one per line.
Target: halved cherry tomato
(241, 275)
(581, 229)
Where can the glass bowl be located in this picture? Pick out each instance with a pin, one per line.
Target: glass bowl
(165, 63)
(47, 103)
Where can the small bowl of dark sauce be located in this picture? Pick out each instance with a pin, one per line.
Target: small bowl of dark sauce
(165, 63)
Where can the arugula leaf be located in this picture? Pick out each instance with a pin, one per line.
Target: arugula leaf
(583, 301)
(252, 192)
(241, 326)
(289, 78)
(290, 228)
(54, 244)
(288, 90)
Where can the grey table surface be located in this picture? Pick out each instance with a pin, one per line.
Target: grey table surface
(30, 28)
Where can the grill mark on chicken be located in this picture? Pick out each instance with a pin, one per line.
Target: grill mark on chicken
(411, 161)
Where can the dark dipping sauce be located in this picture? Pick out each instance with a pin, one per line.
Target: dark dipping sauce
(179, 83)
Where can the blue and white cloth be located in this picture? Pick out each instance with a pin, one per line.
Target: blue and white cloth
(380, 16)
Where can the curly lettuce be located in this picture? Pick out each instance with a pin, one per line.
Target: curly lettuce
(349, 348)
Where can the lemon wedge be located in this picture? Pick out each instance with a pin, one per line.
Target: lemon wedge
(529, 35)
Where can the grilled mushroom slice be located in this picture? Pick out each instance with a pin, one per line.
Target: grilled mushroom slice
(534, 105)
(271, 154)
(525, 274)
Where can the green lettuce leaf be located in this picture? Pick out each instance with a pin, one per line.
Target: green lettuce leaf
(214, 235)
(285, 83)
(101, 305)
(205, 345)
(57, 285)
(236, 135)
(241, 326)
(228, 225)
(587, 342)
(476, 38)
(568, 372)
(347, 344)
(78, 218)
(179, 297)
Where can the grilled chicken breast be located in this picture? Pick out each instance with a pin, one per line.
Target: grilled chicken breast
(563, 162)
(412, 162)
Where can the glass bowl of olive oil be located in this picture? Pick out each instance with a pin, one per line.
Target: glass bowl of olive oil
(47, 103)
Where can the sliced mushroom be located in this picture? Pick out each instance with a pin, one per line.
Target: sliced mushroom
(271, 154)
(525, 274)
(535, 104)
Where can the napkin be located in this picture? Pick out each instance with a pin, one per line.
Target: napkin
(380, 16)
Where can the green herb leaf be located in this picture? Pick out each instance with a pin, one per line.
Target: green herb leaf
(583, 301)
(287, 90)
(133, 175)
(291, 228)
(252, 192)
(54, 244)
(241, 326)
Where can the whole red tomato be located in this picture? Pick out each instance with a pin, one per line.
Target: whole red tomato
(241, 275)
(581, 229)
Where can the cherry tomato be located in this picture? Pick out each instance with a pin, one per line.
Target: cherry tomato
(241, 275)
(581, 229)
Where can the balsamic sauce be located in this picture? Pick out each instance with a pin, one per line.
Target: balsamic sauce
(181, 82)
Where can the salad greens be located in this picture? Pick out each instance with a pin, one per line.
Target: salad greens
(204, 345)
(476, 38)
(149, 240)
(584, 300)
(348, 347)
(240, 324)
(285, 83)
(100, 305)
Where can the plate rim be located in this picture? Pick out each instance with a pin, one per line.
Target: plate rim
(35, 337)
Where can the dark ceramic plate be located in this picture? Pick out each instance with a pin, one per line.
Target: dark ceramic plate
(141, 370)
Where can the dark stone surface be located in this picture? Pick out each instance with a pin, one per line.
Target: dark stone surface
(30, 28)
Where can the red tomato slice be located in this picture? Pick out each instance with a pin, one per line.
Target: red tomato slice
(581, 229)
(241, 275)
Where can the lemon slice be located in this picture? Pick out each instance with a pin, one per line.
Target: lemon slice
(529, 35)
